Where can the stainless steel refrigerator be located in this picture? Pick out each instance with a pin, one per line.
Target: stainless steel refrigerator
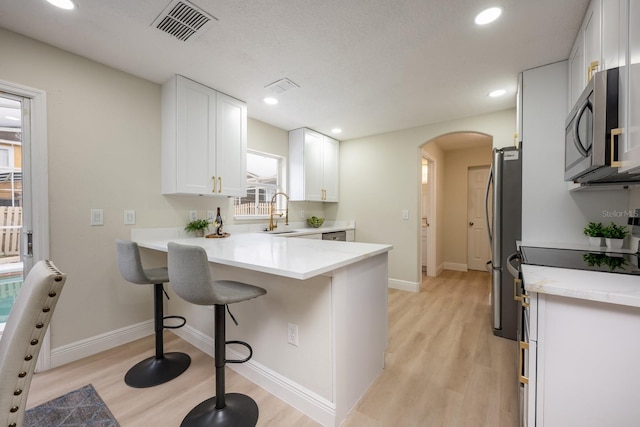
(504, 223)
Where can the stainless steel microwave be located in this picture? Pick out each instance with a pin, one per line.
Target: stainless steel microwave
(591, 149)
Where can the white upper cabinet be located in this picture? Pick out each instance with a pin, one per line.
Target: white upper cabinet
(612, 50)
(204, 140)
(313, 166)
(585, 56)
(598, 44)
(629, 103)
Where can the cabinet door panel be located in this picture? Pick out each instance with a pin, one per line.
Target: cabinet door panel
(331, 178)
(231, 146)
(576, 71)
(195, 154)
(313, 165)
(630, 94)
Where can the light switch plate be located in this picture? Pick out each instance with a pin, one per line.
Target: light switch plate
(405, 214)
(129, 217)
(211, 216)
(193, 215)
(97, 217)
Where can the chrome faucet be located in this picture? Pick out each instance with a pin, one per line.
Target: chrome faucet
(272, 210)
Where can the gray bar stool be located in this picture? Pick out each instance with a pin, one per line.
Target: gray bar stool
(162, 367)
(191, 279)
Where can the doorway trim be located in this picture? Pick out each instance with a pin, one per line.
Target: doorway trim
(35, 154)
(431, 217)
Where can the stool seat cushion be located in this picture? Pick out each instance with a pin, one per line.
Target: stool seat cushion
(157, 275)
(191, 279)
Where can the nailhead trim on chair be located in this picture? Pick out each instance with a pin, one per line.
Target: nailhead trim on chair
(23, 376)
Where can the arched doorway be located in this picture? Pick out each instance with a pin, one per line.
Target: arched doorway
(452, 156)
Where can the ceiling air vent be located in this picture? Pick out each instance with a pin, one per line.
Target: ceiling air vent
(183, 20)
(281, 85)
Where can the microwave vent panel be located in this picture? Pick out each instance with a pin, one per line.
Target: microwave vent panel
(183, 20)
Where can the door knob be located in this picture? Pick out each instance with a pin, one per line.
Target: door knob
(470, 223)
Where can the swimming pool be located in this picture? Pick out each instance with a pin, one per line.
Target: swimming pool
(9, 289)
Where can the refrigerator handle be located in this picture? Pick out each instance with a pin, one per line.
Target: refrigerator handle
(486, 206)
(497, 209)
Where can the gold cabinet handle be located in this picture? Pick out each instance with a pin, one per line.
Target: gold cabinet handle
(213, 184)
(516, 282)
(523, 346)
(591, 70)
(615, 132)
(219, 184)
(522, 298)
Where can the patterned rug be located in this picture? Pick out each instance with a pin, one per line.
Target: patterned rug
(78, 408)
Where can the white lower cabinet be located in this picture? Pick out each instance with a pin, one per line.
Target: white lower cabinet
(582, 363)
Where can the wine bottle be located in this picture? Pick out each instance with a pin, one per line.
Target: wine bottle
(219, 221)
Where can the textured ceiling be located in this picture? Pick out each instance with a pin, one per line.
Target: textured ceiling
(368, 66)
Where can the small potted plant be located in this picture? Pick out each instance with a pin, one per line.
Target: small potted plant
(595, 231)
(614, 235)
(198, 226)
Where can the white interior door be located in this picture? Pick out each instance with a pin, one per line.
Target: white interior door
(478, 251)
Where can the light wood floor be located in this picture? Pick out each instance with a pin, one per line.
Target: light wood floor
(444, 367)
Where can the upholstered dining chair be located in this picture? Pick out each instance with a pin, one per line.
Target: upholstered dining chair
(190, 278)
(22, 338)
(162, 367)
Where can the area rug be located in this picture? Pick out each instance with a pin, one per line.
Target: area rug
(79, 408)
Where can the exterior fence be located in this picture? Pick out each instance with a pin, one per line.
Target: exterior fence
(10, 227)
(251, 209)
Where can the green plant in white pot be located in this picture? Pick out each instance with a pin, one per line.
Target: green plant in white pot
(614, 235)
(198, 226)
(595, 232)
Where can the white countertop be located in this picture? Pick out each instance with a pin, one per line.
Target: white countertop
(614, 288)
(271, 253)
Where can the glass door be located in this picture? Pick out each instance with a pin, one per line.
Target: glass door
(11, 201)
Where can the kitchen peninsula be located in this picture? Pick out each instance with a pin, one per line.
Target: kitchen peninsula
(334, 293)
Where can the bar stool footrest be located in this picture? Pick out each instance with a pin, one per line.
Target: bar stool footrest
(184, 322)
(240, 360)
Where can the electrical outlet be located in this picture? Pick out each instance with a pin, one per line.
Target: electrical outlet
(193, 215)
(292, 334)
(97, 217)
(301, 214)
(129, 217)
(211, 216)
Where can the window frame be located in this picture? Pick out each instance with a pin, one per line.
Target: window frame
(279, 187)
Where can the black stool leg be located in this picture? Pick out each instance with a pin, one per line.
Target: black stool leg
(225, 409)
(162, 367)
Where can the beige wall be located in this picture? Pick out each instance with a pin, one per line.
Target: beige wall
(103, 129)
(380, 177)
(456, 166)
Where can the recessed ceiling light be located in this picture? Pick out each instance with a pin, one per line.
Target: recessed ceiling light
(63, 4)
(497, 93)
(489, 15)
(336, 130)
(270, 101)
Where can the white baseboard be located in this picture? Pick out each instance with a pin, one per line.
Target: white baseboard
(90, 346)
(455, 266)
(311, 404)
(404, 285)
